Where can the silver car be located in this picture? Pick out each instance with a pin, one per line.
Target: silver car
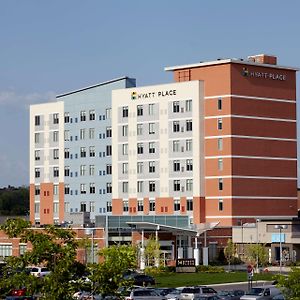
(144, 294)
(192, 292)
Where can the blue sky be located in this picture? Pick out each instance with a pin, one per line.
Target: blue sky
(51, 47)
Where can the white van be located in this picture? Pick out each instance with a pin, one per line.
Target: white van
(261, 293)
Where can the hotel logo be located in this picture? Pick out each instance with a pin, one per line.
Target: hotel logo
(245, 72)
(133, 95)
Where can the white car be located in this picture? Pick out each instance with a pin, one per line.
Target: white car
(39, 271)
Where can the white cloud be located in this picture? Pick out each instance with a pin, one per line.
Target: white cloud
(13, 98)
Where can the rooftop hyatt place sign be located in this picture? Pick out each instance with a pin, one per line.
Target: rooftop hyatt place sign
(135, 95)
(263, 75)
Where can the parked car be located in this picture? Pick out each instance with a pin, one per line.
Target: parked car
(165, 291)
(140, 279)
(39, 271)
(192, 292)
(144, 294)
(279, 297)
(232, 295)
(261, 293)
(174, 295)
(207, 297)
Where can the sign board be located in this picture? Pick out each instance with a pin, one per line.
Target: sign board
(185, 265)
(250, 272)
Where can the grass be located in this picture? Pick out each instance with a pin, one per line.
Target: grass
(186, 279)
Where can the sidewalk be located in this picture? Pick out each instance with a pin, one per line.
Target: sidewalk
(272, 269)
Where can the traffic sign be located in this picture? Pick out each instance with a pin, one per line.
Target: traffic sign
(249, 269)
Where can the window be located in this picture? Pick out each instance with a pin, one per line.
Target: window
(151, 128)
(151, 205)
(91, 133)
(108, 132)
(176, 107)
(220, 164)
(82, 188)
(55, 119)
(220, 184)
(189, 204)
(55, 172)
(151, 186)
(55, 136)
(140, 205)
(66, 135)
(140, 110)
(125, 111)
(151, 109)
(176, 145)
(37, 120)
(92, 115)
(82, 152)
(108, 113)
(37, 190)
(188, 145)
(220, 204)
(176, 205)
(67, 117)
(108, 206)
(92, 188)
(67, 171)
(92, 206)
(125, 149)
(37, 138)
(189, 125)
(67, 153)
(92, 151)
(67, 189)
(55, 154)
(151, 147)
(176, 127)
(220, 144)
(55, 189)
(220, 104)
(108, 187)
(91, 170)
(176, 165)
(108, 169)
(188, 105)
(125, 187)
(125, 130)
(140, 186)
(189, 185)
(140, 148)
(5, 250)
(82, 115)
(125, 168)
(151, 166)
(108, 150)
(36, 208)
(140, 166)
(82, 170)
(37, 155)
(139, 129)
(82, 206)
(220, 124)
(125, 206)
(189, 165)
(82, 134)
(176, 185)
(67, 206)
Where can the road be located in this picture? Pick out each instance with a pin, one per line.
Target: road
(237, 285)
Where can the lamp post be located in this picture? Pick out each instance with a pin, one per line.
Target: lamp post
(91, 231)
(257, 221)
(280, 227)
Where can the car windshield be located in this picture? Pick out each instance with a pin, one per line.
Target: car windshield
(256, 291)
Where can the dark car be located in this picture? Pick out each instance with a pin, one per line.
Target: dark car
(140, 279)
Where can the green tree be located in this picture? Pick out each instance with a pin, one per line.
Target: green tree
(52, 247)
(290, 284)
(108, 275)
(257, 254)
(229, 252)
(152, 251)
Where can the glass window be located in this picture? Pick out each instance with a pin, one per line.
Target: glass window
(176, 145)
(220, 164)
(92, 133)
(92, 151)
(151, 109)
(67, 117)
(55, 136)
(151, 147)
(108, 113)
(67, 189)
(92, 115)
(189, 145)
(220, 124)
(151, 166)
(189, 125)
(176, 107)
(125, 149)
(125, 187)
(108, 150)
(125, 168)
(108, 187)
(220, 204)
(82, 152)
(220, 144)
(55, 119)
(37, 138)
(176, 205)
(176, 166)
(151, 205)
(140, 110)
(125, 111)
(109, 206)
(55, 154)
(140, 167)
(176, 127)
(151, 128)
(82, 170)
(37, 120)
(82, 188)
(220, 184)
(189, 185)
(92, 188)
(91, 170)
(37, 155)
(67, 171)
(188, 105)
(151, 186)
(140, 148)
(140, 205)
(139, 129)
(82, 115)
(125, 206)
(125, 130)
(220, 104)
(189, 165)
(55, 172)
(108, 169)
(189, 204)
(140, 186)
(108, 132)
(82, 134)
(176, 185)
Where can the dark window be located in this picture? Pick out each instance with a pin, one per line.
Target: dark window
(37, 120)
(125, 111)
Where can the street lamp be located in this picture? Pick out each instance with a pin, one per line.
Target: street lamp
(280, 227)
(257, 221)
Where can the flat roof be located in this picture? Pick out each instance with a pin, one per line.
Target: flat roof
(93, 86)
(227, 61)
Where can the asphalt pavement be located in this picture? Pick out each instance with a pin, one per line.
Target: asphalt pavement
(237, 285)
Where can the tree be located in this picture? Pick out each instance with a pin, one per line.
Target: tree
(108, 275)
(290, 284)
(229, 252)
(152, 251)
(52, 247)
(257, 254)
